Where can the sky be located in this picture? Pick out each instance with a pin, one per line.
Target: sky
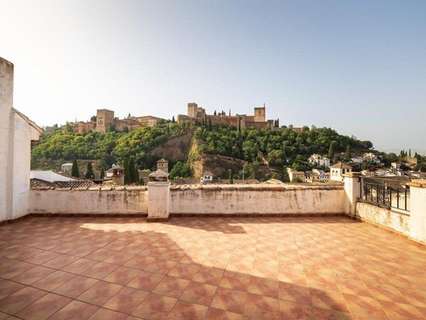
(356, 66)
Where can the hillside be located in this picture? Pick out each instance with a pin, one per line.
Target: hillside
(262, 153)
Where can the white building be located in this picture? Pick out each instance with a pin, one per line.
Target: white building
(319, 160)
(296, 176)
(16, 134)
(370, 157)
(338, 170)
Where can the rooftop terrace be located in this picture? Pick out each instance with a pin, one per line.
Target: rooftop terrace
(208, 268)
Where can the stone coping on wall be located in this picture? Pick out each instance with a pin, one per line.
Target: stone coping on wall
(255, 187)
(419, 183)
(208, 187)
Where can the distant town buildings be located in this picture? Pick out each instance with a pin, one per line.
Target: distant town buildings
(198, 115)
(319, 160)
(163, 164)
(105, 120)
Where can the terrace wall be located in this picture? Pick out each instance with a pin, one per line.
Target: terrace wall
(389, 218)
(257, 199)
(92, 201)
(200, 200)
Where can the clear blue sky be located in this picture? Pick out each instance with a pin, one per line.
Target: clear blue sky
(356, 66)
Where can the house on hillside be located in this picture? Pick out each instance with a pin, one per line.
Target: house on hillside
(319, 160)
(338, 170)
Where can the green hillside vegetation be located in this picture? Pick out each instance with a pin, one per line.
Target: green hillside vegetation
(112, 147)
(278, 148)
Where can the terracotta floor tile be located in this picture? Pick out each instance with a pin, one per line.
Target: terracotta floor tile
(122, 275)
(199, 293)
(126, 300)
(79, 266)
(100, 270)
(20, 299)
(312, 268)
(44, 307)
(218, 314)
(75, 286)
(33, 275)
(155, 307)
(53, 280)
(187, 311)
(146, 281)
(230, 300)
(100, 293)
(75, 310)
(105, 314)
(8, 287)
(171, 286)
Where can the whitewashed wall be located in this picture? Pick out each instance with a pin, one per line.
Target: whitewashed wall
(391, 219)
(89, 201)
(6, 157)
(258, 199)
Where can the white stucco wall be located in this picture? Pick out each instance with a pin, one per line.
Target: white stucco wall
(258, 199)
(201, 200)
(16, 134)
(418, 212)
(89, 201)
(390, 219)
(6, 102)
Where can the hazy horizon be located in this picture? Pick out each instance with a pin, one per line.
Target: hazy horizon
(357, 67)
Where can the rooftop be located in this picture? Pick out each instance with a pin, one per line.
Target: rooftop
(208, 268)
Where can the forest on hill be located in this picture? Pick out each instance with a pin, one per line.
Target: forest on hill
(277, 148)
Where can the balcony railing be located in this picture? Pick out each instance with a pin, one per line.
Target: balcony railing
(386, 192)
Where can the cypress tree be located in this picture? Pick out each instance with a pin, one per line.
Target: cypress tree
(89, 171)
(74, 170)
(102, 175)
(332, 150)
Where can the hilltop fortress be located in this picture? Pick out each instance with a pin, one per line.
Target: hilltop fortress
(105, 120)
(196, 114)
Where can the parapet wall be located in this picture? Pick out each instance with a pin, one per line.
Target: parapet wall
(391, 219)
(257, 199)
(198, 200)
(89, 201)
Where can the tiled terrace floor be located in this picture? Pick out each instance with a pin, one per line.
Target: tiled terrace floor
(208, 268)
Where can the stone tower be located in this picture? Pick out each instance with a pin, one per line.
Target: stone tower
(192, 110)
(260, 114)
(104, 120)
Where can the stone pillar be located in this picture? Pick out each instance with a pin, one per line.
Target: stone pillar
(418, 210)
(352, 185)
(158, 200)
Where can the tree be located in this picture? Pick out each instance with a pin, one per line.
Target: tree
(131, 174)
(231, 176)
(180, 170)
(348, 153)
(74, 169)
(89, 171)
(173, 119)
(332, 150)
(102, 175)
